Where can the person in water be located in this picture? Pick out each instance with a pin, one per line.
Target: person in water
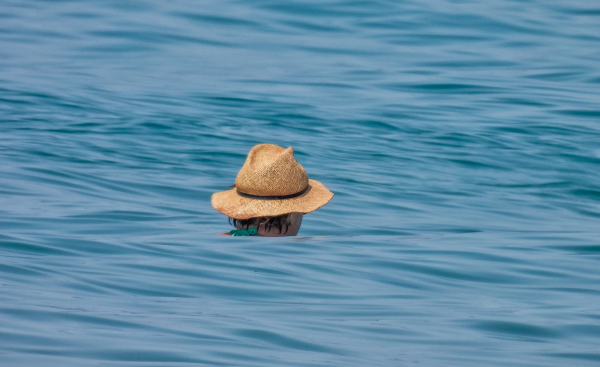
(271, 194)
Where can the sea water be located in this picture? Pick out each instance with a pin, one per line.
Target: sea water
(461, 140)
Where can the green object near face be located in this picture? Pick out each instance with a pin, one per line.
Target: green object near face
(243, 232)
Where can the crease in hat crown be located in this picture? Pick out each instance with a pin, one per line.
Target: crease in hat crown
(271, 170)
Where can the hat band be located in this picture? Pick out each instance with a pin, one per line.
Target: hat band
(281, 197)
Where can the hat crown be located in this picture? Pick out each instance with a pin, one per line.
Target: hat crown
(271, 170)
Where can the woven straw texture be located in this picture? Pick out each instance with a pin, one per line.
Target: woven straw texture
(271, 170)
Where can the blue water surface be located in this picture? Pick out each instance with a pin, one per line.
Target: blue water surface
(461, 140)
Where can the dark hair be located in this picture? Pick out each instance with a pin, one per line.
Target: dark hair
(281, 222)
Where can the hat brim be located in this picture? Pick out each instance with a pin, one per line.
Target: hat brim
(235, 206)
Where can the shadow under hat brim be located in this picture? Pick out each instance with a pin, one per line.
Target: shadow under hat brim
(236, 206)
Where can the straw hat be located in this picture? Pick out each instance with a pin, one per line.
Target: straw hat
(271, 183)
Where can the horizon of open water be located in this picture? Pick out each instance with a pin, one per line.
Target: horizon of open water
(461, 138)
